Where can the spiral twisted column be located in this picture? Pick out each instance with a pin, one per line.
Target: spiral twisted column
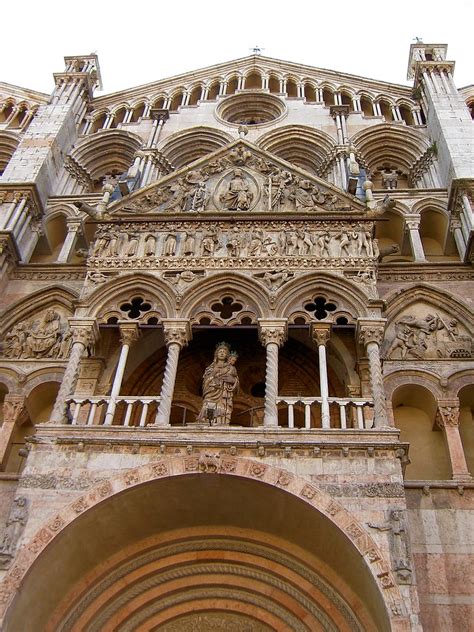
(84, 333)
(272, 335)
(177, 335)
(371, 334)
(128, 334)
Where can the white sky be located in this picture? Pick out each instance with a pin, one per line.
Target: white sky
(141, 41)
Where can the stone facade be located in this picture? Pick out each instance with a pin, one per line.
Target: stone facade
(236, 361)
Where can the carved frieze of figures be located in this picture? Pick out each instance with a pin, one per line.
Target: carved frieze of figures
(429, 336)
(45, 337)
(239, 181)
(240, 240)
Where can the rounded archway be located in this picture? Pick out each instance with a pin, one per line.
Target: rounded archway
(200, 547)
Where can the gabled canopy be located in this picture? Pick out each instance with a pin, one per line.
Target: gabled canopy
(238, 179)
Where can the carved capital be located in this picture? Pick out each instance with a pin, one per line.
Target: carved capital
(13, 406)
(84, 330)
(447, 413)
(412, 222)
(320, 333)
(272, 331)
(177, 331)
(339, 110)
(129, 332)
(370, 331)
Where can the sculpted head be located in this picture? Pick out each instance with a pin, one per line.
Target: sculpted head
(222, 351)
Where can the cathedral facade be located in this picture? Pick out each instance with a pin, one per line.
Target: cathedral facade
(236, 367)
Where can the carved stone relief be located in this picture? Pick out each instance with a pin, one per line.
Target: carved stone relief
(240, 181)
(273, 245)
(13, 529)
(427, 334)
(44, 337)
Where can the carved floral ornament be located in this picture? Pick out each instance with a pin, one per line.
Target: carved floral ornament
(240, 179)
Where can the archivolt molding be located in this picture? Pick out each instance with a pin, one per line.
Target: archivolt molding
(184, 147)
(431, 204)
(106, 151)
(8, 143)
(126, 287)
(458, 381)
(348, 296)
(394, 143)
(25, 308)
(302, 146)
(407, 377)
(242, 288)
(170, 466)
(11, 379)
(422, 292)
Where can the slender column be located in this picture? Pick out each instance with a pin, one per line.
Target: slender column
(272, 335)
(412, 225)
(458, 237)
(177, 335)
(320, 333)
(84, 333)
(73, 227)
(371, 334)
(13, 407)
(468, 212)
(447, 419)
(128, 334)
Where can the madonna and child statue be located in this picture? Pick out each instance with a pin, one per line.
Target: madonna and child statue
(219, 383)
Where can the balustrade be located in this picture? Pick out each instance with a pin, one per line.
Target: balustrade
(137, 411)
(348, 412)
(129, 410)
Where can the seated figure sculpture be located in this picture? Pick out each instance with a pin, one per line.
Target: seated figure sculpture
(220, 382)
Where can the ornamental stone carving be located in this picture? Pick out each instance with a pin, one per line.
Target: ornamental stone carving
(371, 333)
(13, 529)
(447, 415)
(42, 338)
(429, 335)
(276, 247)
(220, 382)
(239, 179)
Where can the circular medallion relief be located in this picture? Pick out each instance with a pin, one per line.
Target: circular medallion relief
(237, 190)
(250, 109)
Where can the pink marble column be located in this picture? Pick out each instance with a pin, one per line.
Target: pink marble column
(447, 418)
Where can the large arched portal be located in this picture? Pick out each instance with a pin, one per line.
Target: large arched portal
(202, 551)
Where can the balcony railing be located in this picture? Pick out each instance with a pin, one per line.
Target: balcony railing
(350, 412)
(130, 410)
(294, 412)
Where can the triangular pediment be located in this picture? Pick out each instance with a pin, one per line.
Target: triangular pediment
(238, 180)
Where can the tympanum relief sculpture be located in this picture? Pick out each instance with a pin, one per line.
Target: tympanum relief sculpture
(220, 382)
(41, 338)
(238, 182)
(427, 335)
